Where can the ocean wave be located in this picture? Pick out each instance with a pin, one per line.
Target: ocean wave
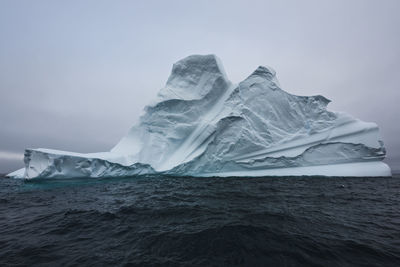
(167, 221)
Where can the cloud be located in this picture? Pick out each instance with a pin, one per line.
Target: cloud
(7, 155)
(75, 75)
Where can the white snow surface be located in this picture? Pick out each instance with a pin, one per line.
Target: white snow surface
(203, 125)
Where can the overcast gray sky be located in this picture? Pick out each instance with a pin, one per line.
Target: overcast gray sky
(75, 75)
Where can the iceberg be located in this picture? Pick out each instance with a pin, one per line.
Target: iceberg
(204, 125)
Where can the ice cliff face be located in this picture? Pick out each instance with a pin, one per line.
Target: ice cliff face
(203, 125)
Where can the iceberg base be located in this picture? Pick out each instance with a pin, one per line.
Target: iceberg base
(357, 169)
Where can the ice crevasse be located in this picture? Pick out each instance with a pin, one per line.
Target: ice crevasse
(203, 125)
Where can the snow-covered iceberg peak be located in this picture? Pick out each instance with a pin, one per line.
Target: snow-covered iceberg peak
(193, 78)
(203, 125)
(267, 73)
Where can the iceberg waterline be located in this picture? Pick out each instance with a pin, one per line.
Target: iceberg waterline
(203, 125)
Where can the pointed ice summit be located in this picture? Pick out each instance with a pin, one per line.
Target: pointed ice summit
(203, 125)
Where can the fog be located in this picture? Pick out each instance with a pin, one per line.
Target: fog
(75, 75)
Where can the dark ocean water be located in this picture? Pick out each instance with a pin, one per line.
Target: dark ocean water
(167, 221)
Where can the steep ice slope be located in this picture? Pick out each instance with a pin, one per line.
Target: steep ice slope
(172, 131)
(203, 125)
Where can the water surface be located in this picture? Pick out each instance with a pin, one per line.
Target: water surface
(171, 221)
